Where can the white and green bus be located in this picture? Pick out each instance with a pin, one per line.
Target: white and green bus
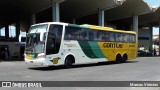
(56, 43)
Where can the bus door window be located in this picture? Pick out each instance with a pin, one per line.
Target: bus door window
(54, 39)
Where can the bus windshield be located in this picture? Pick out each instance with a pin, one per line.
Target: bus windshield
(33, 44)
(50, 41)
(38, 28)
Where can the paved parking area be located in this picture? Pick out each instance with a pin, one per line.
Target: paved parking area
(141, 69)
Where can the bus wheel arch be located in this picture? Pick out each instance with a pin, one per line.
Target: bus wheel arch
(118, 58)
(124, 58)
(69, 60)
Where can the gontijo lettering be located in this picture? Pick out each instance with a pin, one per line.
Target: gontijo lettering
(112, 45)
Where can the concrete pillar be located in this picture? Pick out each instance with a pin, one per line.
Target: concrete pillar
(159, 36)
(101, 18)
(55, 11)
(17, 30)
(135, 24)
(151, 37)
(135, 27)
(7, 31)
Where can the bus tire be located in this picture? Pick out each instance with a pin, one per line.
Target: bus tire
(124, 58)
(69, 61)
(118, 59)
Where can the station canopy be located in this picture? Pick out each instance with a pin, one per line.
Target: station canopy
(128, 9)
(12, 10)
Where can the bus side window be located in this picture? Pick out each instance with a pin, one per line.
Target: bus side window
(103, 36)
(84, 35)
(91, 35)
(132, 39)
(112, 37)
(100, 38)
(107, 36)
(128, 38)
(71, 33)
(99, 35)
(119, 37)
(125, 38)
(95, 35)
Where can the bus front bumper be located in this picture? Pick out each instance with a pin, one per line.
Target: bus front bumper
(39, 62)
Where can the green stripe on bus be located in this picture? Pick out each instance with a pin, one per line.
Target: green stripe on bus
(87, 49)
(34, 55)
(84, 26)
(96, 49)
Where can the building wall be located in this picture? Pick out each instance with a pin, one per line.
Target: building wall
(12, 48)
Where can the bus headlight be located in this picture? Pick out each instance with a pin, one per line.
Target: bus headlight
(41, 56)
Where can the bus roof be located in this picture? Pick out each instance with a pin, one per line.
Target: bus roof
(94, 27)
(59, 23)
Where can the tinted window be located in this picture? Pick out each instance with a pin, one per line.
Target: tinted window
(84, 34)
(125, 37)
(54, 39)
(72, 33)
(91, 35)
(107, 36)
(118, 37)
(132, 38)
(99, 35)
(112, 36)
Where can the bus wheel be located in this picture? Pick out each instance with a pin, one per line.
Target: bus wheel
(124, 59)
(69, 61)
(118, 59)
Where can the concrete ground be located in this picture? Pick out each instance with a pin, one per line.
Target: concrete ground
(141, 69)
